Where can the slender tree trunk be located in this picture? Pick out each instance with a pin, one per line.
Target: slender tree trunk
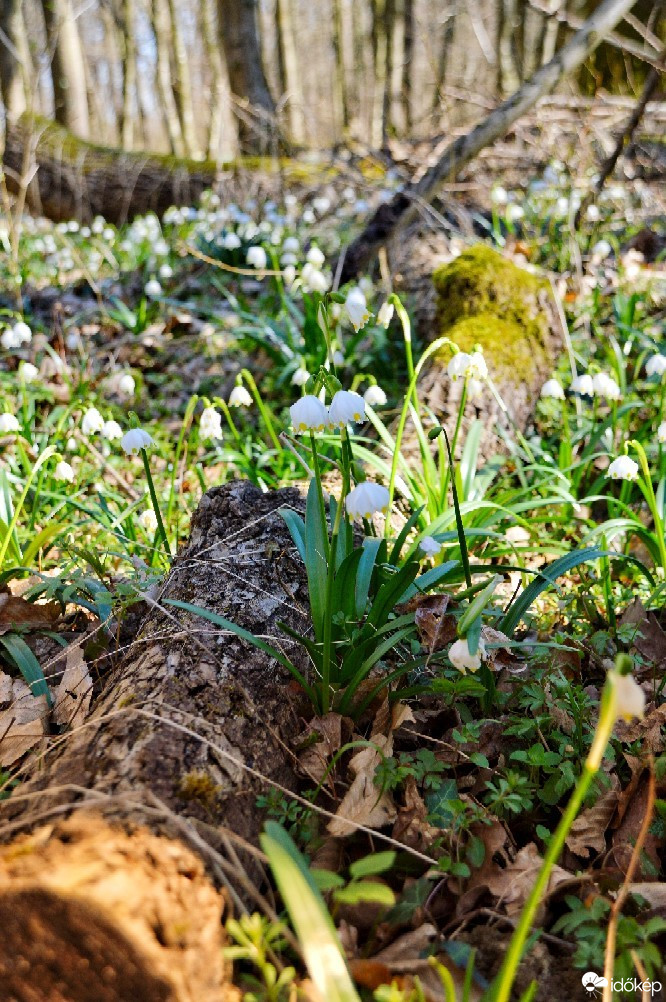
(182, 85)
(164, 43)
(339, 57)
(67, 66)
(442, 63)
(289, 71)
(407, 63)
(130, 109)
(507, 63)
(239, 29)
(14, 72)
(222, 140)
(387, 96)
(394, 215)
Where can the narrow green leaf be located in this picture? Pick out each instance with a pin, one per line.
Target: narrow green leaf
(27, 664)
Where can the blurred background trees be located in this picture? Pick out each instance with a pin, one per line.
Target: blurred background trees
(205, 78)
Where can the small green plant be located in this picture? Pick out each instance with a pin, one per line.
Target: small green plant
(257, 941)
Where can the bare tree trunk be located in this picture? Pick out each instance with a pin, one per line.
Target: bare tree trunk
(394, 215)
(164, 43)
(407, 63)
(289, 71)
(239, 29)
(387, 97)
(222, 127)
(130, 109)
(183, 86)
(339, 57)
(67, 66)
(14, 71)
(442, 62)
(509, 74)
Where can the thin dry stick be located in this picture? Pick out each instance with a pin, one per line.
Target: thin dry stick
(107, 466)
(254, 272)
(616, 909)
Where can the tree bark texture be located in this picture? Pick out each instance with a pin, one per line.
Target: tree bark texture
(67, 66)
(193, 719)
(239, 30)
(395, 214)
(12, 51)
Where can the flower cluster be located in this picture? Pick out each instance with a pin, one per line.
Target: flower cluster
(310, 414)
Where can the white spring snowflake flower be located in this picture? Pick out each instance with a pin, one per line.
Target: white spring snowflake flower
(629, 697)
(461, 657)
(477, 368)
(366, 500)
(126, 385)
(239, 397)
(64, 471)
(385, 314)
(605, 386)
(92, 422)
(429, 546)
(316, 257)
(300, 377)
(231, 241)
(165, 271)
(152, 288)
(623, 468)
(22, 332)
(210, 424)
(288, 260)
(314, 280)
(148, 520)
(346, 406)
(134, 440)
(375, 396)
(357, 309)
(656, 366)
(338, 357)
(457, 366)
(28, 372)
(111, 431)
(257, 258)
(291, 245)
(661, 433)
(552, 389)
(8, 423)
(583, 385)
(308, 414)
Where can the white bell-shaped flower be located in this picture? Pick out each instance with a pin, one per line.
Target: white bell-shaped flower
(239, 397)
(430, 546)
(629, 697)
(346, 406)
(366, 500)
(552, 389)
(8, 423)
(257, 258)
(661, 433)
(458, 365)
(63, 471)
(656, 366)
(308, 414)
(623, 468)
(300, 377)
(111, 431)
(210, 425)
(605, 386)
(584, 385)
(148, 520)
(134, 440)
(315, 257)
(92, 421)
(375, 396)
(461, 657)
(152, 288)
(385, 314)
(357, 309)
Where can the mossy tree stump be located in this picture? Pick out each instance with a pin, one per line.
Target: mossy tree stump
(484, 300)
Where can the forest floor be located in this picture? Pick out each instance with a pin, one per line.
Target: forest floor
(203, 329)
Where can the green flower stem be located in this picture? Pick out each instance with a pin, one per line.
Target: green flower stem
(224, 407)
(263, 410)
(406, 333)
(648, 493)
(189, 411)
(501, 990)
(156, 508)
(11, 528)
(320, 489)
(328, 614)
(436, 346)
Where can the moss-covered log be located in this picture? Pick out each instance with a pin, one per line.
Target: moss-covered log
(482, 299)
(74, 179)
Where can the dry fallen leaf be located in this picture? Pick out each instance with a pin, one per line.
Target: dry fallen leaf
(588, 832)
(22, 719)
(512, 885)
(436, 630)
(73, 695)
(320, 740)
(650, 639)
(17, 611)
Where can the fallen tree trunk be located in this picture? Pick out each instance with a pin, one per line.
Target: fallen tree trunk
(189, 729)
(394, 215)
(70, 178)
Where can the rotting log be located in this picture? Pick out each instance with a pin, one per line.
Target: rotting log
(70, 178)
(190, 727)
